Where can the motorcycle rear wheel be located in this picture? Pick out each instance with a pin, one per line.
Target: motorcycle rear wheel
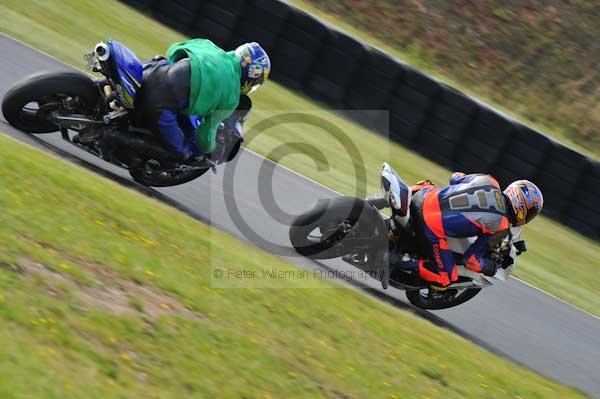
(25, 105)
(315, 234)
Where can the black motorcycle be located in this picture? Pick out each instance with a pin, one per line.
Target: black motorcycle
(97, 110)
(356, 230)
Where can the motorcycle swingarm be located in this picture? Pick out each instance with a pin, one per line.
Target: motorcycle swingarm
(75, 121)
(80, 123)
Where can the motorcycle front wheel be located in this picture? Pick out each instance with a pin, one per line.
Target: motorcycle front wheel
(444, 300)
(151, 176)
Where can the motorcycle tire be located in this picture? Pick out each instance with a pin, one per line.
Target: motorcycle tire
(423, 302)
(142, 176)
(43, 89)
(329, 213)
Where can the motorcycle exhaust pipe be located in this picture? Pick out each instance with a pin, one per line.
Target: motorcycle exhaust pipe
(102, 51)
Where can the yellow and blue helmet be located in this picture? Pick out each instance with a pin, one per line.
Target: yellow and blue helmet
(256, 66)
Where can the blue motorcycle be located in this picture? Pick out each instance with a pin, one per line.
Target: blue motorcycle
(87, 112)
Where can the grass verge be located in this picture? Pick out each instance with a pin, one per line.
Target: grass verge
(106, 293)
(68, 29)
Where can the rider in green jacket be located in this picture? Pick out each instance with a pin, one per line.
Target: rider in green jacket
(196, 99)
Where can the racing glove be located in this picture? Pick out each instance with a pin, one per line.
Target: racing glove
(489, 266)
(494, 261)
(229, 139)
(230, 134)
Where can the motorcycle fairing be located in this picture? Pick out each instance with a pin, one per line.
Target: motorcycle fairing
(129, 70)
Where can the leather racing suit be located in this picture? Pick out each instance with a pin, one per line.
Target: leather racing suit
(473, 205)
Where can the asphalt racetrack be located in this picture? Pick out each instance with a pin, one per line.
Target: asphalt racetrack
(511, 319)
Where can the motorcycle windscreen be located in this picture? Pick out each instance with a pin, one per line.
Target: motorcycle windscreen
(129, 70)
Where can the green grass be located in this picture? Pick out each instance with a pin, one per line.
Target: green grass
(105, 293)
(518, 58)
(560, 261)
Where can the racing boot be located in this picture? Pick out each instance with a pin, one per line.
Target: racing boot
(402, 261)
(404, 268)
(395, 262)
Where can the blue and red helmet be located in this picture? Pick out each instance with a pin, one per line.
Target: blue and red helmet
(256, 66)
(525, 201)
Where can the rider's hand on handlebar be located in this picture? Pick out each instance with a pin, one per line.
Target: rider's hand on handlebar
(505, 261)
(490, 266)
